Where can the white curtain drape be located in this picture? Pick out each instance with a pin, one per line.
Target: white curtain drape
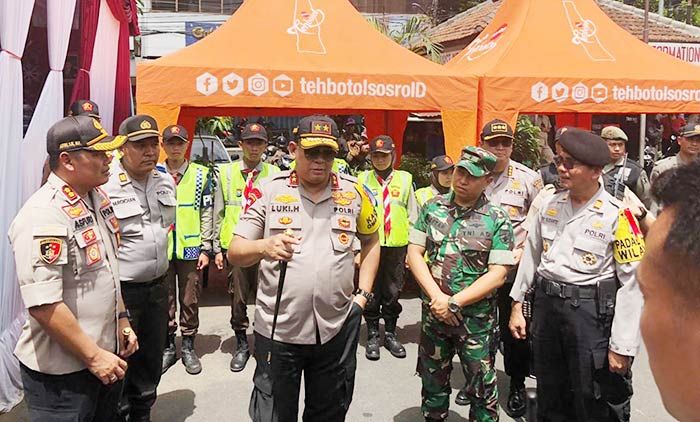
(104, 65)
(14, 26)
(49, 109)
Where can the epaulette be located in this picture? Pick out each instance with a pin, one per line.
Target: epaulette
(161, 168)
(348, 177)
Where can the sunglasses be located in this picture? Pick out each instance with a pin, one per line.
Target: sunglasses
(568, 163)
(503, 142)
(326, 154)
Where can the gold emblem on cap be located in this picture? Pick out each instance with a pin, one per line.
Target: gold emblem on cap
(380, 143)
(146, 125)
(499, 127)
(254, 127)
(174, 129)
(87, 107)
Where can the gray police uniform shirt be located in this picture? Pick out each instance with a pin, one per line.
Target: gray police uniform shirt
(318, 288)
(145, 213)
(667, 163)
(65, 250)
(577, 247)
(514, 191)
(643, 187)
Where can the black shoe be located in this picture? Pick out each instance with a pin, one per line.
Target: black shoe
(394, 346)
(517, 404)
(169, 354)
(240, 358)
(372, 350)
(462, 399)
(189, 358)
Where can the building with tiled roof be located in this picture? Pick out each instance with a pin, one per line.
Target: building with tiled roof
(457, 32)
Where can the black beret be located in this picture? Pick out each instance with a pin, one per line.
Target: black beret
(585, 147)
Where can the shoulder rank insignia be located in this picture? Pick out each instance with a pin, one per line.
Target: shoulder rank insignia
(123, 179)
(510, 171)
(50, 249)
(293, 179)
(598, 204)
(70, 194)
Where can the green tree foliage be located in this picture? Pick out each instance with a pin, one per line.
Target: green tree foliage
(525, 147)
(418, 166)
(413, 35)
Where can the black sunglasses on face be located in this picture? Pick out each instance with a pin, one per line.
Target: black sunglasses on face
(326, 154)
(504, 142)
(568, 163)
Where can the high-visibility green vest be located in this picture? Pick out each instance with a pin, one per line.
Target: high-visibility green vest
(339, 166)
(399, 190)
(232, 187)
(424, 195)
(187, 241)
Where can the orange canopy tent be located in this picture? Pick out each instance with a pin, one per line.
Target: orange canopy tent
(567, 56)
(297, 57)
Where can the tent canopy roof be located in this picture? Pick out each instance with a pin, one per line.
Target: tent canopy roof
(567, 56)
(301, 54)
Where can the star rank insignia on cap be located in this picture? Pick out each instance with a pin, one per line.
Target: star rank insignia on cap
(145, 125)
(50, 249)
(499, 127)
(321, 128)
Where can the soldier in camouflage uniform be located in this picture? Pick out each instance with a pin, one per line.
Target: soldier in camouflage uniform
(469, 246)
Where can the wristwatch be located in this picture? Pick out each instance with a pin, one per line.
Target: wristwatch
(367, 295)
(453, 306)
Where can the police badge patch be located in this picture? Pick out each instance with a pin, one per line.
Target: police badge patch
(50, 249)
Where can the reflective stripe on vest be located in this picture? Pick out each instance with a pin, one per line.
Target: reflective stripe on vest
(401, 182)
(188, 234)
(424, 195)
(232, 186)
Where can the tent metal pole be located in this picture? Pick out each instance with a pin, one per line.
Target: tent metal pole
(643, 117)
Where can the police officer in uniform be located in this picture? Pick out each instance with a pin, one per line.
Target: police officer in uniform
(189, 245)
(469, 245)
(689, 143)
(514, 188)
(441, 169)
(396, 208)
(581, 255)
(308, 217)
(239, 182)
(65, 237)
(144, 203)
(623, 171)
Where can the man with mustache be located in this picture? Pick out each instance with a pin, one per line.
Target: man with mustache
(144, 204)
(73, 346)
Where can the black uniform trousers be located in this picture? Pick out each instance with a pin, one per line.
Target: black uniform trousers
(148, 305)
(78, 396)
(516, 353)
(242, 285)
(388, 285)
(329, 376)
(570, 348)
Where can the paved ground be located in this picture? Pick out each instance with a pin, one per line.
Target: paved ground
(386, 390)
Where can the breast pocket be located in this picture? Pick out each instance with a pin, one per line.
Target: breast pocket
(278, 223)
(475, 252)
(343, 229)
(167, 205)
(130, 218)
(589, 255)
(514, 205)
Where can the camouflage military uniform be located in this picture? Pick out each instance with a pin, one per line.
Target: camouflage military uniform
(461, 243)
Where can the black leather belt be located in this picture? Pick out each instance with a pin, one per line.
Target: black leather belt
(566, 290)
